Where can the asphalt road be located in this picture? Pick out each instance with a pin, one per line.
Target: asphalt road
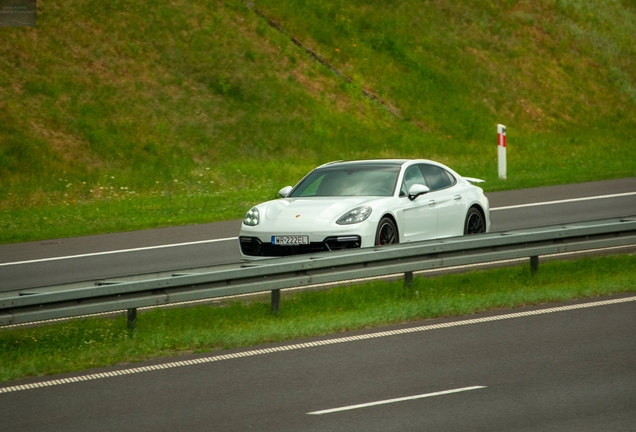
(537, 369)
(69, 260)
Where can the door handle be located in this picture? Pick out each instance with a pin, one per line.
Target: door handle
(431, 203)
(457, 197)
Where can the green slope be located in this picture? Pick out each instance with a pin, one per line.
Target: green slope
(125, 115)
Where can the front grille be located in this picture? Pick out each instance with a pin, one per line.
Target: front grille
(252, 246)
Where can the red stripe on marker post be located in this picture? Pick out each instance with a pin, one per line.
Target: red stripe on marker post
(501, 150)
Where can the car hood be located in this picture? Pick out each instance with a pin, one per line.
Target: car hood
(309, 209)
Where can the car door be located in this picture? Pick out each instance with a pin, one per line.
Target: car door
(419, 217)
(445, 196)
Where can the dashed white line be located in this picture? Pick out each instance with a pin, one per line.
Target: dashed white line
(304, 345)
(402, 399)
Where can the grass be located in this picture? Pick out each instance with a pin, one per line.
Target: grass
(118, 116)
(170, 113)
(97, 342)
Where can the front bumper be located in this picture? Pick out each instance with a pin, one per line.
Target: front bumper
(253, 246)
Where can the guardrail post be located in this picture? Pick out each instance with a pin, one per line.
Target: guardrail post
(534, 264)
(275, 301)
(408, 279)
(132, 319)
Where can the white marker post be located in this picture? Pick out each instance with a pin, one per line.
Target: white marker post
(501, 147)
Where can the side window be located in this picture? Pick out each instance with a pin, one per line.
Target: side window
(438, 178)
(412, 176)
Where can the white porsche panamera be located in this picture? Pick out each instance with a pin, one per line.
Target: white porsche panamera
(354, 204)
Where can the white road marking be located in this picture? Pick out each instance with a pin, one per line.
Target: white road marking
(402, 399)
(236, 238)
(312, 344)
(564, 201)
(118, 251)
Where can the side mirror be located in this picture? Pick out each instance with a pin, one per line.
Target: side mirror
(417, 190)
(285, 191)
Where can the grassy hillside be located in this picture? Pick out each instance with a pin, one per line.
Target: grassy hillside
(124, 115)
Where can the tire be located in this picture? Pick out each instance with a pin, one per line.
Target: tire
(387, 233)
(475, 223)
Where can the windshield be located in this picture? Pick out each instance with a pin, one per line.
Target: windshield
(359, 180)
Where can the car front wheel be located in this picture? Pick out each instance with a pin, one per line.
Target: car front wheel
(387, 233)
(475, 222)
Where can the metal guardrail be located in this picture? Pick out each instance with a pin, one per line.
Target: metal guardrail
(302, 270)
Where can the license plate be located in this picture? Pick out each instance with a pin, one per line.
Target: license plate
(290, 240)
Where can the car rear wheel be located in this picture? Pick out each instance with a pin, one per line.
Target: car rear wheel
(387, 233)
(475, 222)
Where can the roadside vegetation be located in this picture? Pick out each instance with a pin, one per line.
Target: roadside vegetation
(98, 342)
(122, 115)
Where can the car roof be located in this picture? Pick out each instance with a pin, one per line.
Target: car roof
(371, 162)
(367, 162)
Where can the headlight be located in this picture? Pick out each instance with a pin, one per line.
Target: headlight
(252, 218)
(354, 216)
